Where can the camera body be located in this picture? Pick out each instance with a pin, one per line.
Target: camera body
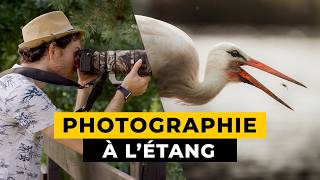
(118, 62)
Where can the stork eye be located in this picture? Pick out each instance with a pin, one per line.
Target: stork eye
(235, 53)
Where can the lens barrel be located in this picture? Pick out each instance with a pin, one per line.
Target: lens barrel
(118, 62)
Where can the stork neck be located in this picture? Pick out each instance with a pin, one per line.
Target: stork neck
(206, 90)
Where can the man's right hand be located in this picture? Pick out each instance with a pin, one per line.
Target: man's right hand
(136, 84)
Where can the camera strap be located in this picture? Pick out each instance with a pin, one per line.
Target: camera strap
(53, 78)
(95, 93)
(43, 76)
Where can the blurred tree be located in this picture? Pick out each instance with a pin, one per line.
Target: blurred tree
(109, 25)
(14, 14)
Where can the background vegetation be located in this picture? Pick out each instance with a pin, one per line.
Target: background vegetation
(109, 25)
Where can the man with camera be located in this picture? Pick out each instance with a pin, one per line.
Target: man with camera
(26, 113)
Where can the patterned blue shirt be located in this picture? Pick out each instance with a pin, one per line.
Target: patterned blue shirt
(25, 110)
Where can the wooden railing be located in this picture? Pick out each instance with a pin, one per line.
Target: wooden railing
(72, 163)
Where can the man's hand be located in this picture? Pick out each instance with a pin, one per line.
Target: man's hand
(83, 78)
(136, 84)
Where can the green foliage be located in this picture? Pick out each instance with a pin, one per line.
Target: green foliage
(123, 166)
(109, 25)
(14, 15)
(174, 171)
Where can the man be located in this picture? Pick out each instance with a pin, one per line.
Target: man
(26, 113)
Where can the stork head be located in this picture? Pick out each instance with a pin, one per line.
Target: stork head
(229, 59)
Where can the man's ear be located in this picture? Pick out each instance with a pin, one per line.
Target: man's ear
(52, 50)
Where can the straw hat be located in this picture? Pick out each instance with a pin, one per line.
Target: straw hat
(46, 28)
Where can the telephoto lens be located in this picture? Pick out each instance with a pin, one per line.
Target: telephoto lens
(118, 62)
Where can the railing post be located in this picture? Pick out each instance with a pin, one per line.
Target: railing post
(72, 163)
(54, 170)
(135, 169)
(153, 170)
(148, 170)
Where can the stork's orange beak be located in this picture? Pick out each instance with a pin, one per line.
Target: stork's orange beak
(247, 78)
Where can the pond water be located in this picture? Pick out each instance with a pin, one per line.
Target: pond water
(292, 147)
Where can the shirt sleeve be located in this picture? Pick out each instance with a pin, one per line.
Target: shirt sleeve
(31, 108)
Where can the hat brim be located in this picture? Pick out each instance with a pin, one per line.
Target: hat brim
(39, 41)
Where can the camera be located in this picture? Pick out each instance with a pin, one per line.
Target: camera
(118, 62)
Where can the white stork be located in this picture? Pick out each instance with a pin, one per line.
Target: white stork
(175, 65)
